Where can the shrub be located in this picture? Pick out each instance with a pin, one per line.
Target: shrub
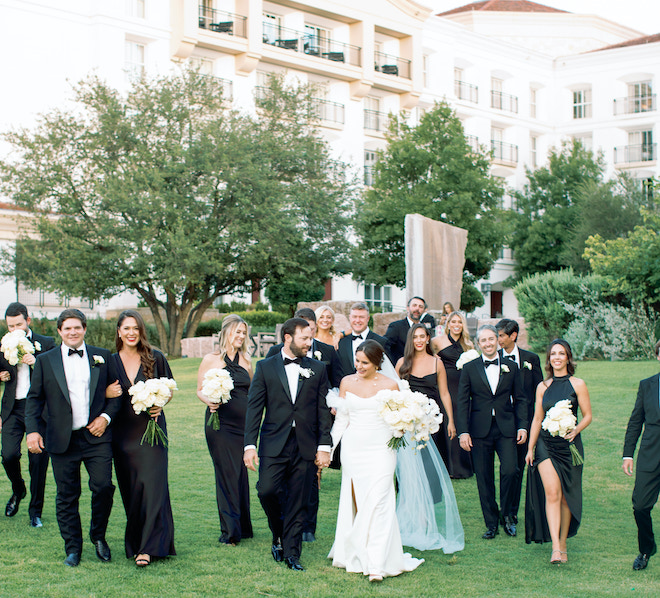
(256, 319)
(540, 298)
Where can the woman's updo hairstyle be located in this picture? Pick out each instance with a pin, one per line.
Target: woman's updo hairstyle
(373, 351)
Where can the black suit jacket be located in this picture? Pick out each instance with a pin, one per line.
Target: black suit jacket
(476, 401)
(45, 343)
(345, 351)
(328, 357)
(531, 376)
(397, 335)
(269, 392)
(646, 413)
(49, 390)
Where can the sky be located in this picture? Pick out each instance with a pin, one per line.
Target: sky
(642, 15)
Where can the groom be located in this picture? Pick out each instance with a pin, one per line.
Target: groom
(491, 418)
(295, 432)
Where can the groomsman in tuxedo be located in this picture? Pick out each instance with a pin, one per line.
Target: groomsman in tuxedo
(531, 376)
(12, 419)
(291, 389)
(491, 419)
(397, 331)
(327, 355)
(70, 383)
(646, 414)
(358, 318)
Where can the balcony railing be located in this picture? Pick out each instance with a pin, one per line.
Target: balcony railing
(391, 65)
(312, 45)
(504, 152)
(634, 105)
(329, 112)
(227, 89)
(503, 101)
(627, 154)
(375, 121)
(222, 22)
(466, 91)
(473, 142)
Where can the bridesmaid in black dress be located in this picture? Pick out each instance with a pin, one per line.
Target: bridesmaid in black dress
(226, 444)
(426, 374)
(554, 485)
(449, 347)
(141, 469)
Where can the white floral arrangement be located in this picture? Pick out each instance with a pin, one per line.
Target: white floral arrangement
(318, 355)
(559, 421)
(505, 368)
(98, 359)
(37, 346)
(155, 392)
(465, 357)
(216, 387)
(405, 411)
(527, 365)
(15, 345)
(306, 372)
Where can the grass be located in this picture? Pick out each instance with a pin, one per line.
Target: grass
(601, 555)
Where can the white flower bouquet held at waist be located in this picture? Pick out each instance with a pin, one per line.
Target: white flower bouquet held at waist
(216, 387)
(155, 392)
(15, 345)
(559, 421)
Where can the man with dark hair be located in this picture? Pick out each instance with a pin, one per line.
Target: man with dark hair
(12, 418)
(70, 382)
(531, 376)
(646, 414)
(397, 331)
(288, 390)
(358, 318)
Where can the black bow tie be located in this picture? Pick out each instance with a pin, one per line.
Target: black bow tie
(511, 356)
(487, 363)
(356, 337)
(287, 361)
(78, 352)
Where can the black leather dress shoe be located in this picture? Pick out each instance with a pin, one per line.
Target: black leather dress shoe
(490, 533)
(102, 550)
(35, 521)
(294, 563)
(509, 526)
(278, 552)
(641, 561)
(72, 559)
(12, 506)
(308, 537)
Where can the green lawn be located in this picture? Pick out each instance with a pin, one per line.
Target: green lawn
(601, 555)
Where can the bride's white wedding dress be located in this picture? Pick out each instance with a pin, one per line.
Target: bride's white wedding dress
(367, 538)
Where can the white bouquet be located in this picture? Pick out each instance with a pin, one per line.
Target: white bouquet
(413, 412)
(15, 345)
(559, 421)
(465, 357)
(217, 387)
(155, 392)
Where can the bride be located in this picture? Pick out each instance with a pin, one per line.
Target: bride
(367, 538)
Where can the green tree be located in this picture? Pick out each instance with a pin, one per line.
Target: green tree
(170, 194)
(430, 170)
(548, 208)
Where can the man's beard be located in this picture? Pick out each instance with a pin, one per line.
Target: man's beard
(297, 350)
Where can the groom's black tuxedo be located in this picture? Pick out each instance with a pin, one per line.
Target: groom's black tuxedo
(492, 420)
(13, 430)
(345, 350)
(287, 451)
(68, 448)
(328, 356)
(646, 414)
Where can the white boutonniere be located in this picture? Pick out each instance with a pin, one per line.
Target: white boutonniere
(98, 360)
(505, 368)
(37, 345)
(527, 365)
(306, 372)
(317, 355)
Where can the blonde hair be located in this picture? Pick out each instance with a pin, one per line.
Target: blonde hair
(464, 341)
(320, 311)
(229, 325)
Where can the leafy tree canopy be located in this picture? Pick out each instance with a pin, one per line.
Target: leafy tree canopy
(169, 193)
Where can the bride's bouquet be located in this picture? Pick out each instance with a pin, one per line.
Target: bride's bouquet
(559, 421)
(407, 411)
(217, 387)
(465, 357)
(15, 345)
(155, 392)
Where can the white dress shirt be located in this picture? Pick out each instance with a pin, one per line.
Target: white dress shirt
(493, 374)
(514, 355)
(23, 376)
(77, 372)
(358, 341)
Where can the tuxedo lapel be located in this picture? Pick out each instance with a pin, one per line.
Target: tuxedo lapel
(482, 374)
(58, 371)
(93, 375)
(281, 374)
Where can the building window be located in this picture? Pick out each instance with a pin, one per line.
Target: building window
(136, 8)
(370, 158)
(532, 102)
(271, 28)
(203, 65)
(587, 142)
(582, 103)
(640, 96)
(379, 298)
(640, 146)
(317, 40)
(533, 141)
(135, 64)
(425, 70)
